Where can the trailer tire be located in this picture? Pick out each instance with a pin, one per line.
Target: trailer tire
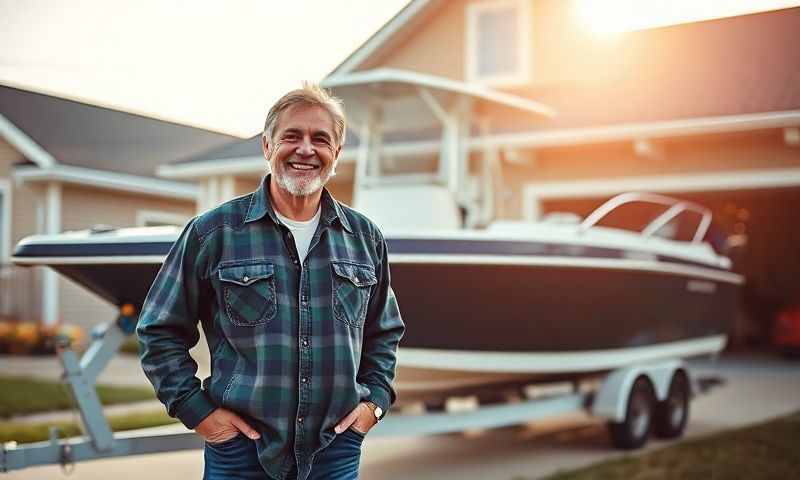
(634, 430)
(672, 413)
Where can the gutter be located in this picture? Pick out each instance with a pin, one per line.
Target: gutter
(110, 180)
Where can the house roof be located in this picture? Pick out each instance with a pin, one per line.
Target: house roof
(78, 134)
(235, 149)
(732, 66)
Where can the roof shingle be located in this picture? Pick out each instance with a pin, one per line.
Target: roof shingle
(83, 135)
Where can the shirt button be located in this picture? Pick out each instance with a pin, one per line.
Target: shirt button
(305, 342)
(245, 279)
(304, 379)
(300, 420)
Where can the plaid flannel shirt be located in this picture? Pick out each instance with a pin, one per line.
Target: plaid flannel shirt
(294, 347)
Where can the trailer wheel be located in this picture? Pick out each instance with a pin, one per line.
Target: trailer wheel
(634, 431)
(672, 414)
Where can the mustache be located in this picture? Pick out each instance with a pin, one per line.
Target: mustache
(331, 166)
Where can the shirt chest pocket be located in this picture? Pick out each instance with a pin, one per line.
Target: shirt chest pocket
(249, 293)
(351, 289)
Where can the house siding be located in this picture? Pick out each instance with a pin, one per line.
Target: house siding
(81, 208)
(8, 156)
(694, 155)
(679, 156)
(243, 186)
(435, 47)
(21, 287)
(342, 190)
(24, 198)
(565, 51)
(438, 46)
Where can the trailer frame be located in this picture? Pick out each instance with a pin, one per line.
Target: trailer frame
(610, 401)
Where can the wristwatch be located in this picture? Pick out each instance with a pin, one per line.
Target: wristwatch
(378, 411)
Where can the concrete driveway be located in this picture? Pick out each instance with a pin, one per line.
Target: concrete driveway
(758, 388)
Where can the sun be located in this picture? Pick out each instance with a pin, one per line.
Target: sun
(605, 16)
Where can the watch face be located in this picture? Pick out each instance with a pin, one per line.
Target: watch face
(378, 412)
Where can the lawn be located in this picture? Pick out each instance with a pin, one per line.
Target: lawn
(767, 451)
(36, 432)
(22, 396)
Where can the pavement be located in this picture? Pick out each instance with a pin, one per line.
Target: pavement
(758, 388)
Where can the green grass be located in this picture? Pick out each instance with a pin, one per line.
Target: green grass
(21, 396)
(37, 432)
(767, 451)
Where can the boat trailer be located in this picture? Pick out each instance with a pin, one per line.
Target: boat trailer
(632, 399)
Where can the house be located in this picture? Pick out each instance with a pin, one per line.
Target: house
(69, 165)
(707, 111)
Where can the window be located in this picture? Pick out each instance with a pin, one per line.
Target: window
(498, 42)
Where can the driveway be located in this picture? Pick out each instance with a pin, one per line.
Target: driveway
(758, 388)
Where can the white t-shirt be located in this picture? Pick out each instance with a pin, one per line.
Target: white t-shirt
(301, 231)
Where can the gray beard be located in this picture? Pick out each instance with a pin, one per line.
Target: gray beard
(300, 188)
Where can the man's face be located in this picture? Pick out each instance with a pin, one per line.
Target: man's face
(303, 152)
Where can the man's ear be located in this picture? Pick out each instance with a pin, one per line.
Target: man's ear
(265, 146)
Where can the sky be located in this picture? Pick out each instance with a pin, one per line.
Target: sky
(212, 64)
(219, 65)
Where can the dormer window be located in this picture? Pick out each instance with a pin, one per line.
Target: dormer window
(498, 42)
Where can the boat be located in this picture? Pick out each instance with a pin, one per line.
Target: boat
(554, 300)
(513, 304)
(486, 303)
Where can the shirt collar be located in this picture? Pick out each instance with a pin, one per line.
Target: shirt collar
(260, 206)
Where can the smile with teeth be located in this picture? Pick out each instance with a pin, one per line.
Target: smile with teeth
(303, 166)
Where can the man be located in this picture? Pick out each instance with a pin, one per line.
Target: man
(292, 290)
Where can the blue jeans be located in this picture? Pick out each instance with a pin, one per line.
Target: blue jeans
(237, 459)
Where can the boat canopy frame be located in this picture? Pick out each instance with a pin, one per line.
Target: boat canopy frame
(676, 207)
(384, 98)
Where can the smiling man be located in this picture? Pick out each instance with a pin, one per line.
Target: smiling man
(292, 290)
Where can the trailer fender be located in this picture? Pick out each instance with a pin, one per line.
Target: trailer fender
(611, 399)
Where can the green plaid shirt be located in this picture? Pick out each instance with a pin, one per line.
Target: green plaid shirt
(294, 347)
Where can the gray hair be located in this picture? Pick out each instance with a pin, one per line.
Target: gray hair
(309, 94)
